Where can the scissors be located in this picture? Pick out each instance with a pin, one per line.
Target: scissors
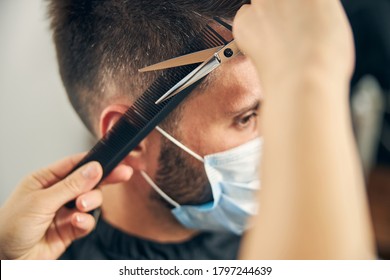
(210, 59)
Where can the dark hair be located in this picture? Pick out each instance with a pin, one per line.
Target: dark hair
(101, 44)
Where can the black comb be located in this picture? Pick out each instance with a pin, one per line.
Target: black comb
(144, 115)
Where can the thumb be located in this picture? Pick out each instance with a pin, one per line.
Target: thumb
(78, 182)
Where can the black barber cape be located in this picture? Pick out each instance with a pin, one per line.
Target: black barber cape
(107, 242)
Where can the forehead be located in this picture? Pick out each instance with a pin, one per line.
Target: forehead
(240, 77)
(207, 115)
(229, 87)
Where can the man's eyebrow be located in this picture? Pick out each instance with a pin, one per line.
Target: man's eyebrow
(255, 105)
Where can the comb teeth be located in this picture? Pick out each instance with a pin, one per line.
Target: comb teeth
(214, 37)
(223, 23)
(137, 122)
(143, 116)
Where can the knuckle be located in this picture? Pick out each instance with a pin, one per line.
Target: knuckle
(31, 182)
(42, 178)
(72, 185)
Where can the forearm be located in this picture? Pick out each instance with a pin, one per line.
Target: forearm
(312, 201)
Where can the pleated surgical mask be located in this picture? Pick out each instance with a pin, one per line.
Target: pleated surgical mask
(233, 178)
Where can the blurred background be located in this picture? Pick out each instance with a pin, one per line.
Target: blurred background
(370, 103)
(38, 125)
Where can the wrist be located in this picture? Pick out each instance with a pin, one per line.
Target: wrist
(312, 81)
(311, 71)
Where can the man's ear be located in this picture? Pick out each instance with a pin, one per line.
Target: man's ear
(110, 115)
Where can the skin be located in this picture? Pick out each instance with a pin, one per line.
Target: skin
(219, 127)
(206, 126)
(322, 210)
(34, 222)
(318, 191)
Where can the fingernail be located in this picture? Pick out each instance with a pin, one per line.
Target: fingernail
(90, 171)
(80, 219)
(84, 203)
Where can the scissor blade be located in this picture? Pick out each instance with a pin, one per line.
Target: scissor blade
(201, 71)
(223, 55)
(191, 58)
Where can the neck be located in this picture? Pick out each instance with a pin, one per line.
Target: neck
(130, 208)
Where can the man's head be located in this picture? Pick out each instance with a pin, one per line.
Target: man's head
(100, 47)
(102, 44)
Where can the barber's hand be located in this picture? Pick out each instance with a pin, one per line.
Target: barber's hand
(34, 224)
(290, 38)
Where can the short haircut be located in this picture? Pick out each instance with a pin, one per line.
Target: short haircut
(101, 44)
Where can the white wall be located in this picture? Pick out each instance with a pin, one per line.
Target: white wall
(37, 123)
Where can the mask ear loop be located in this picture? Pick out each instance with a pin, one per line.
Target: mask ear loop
(180, 145)
(158, 190)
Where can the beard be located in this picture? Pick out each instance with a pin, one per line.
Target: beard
(181, 177)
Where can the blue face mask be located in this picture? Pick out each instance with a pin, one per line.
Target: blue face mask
(233, 177)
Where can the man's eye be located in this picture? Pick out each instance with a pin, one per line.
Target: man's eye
(246, 120)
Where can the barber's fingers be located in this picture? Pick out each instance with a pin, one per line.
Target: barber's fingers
(48, 176)
(89, 201)
(243, 28)
(68, 226)
(80, 181)
(82, 223)
(240, 30)
(52, 174)
(94, 198)
(57, 189)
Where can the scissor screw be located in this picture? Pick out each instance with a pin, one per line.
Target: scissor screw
(228, 52)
